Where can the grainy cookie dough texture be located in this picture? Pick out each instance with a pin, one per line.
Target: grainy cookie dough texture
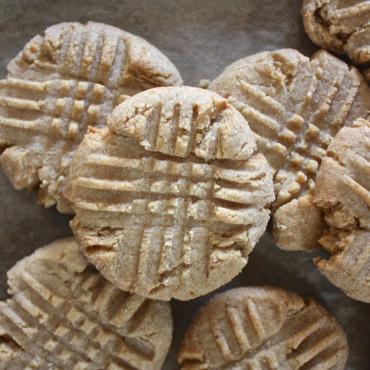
(295, 105)
(263, 328)
(70, 77)
(63, 314)
(343, 193)
(171, 197)
(341, 26)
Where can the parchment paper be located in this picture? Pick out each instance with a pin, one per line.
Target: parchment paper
(200, 37)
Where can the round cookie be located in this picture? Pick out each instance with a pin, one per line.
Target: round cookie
(295, 105)
(263, 328)
(341, 26)
(63, 81)
(62, 314)
(171, 197)
(343, 194)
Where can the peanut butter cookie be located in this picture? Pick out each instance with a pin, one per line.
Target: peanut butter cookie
(171, 197)
(343, 193)
(263, 328)
(341, 26)
(63, 81)
(63, 314)
(295, 105)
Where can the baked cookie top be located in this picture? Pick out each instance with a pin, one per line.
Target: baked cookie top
(264, 327)
(172, 196)
(62, 314)
(341, 26)
(295, 105)
(63, 81)
(343, 194)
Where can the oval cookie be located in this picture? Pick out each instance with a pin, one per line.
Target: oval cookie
(263, 328)
(341, 26)
(343, 194)
(63, 81)
(295, 105)
(171, 197)
(63, 314)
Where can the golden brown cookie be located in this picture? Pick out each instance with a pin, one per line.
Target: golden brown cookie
(263, 328)
(341, 26)
(343, 193)
(171, 197)
(63, 81)
(295, 105)
(63, 314)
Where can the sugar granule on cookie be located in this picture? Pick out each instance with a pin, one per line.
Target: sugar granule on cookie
(171, 197)
(69, 78)
(62, 314)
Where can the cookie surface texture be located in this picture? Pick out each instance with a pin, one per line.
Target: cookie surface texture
(172, 196)
(63, 314)
(63, 81)
(295, 105)
(263, 328)
(341, 26)
(343, 193)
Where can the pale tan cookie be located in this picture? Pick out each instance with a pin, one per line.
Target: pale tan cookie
(343, 193)
(63, 314)
(70, 77)
(295, 105)
(341, 26)
(172, 197)
(263, 328)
